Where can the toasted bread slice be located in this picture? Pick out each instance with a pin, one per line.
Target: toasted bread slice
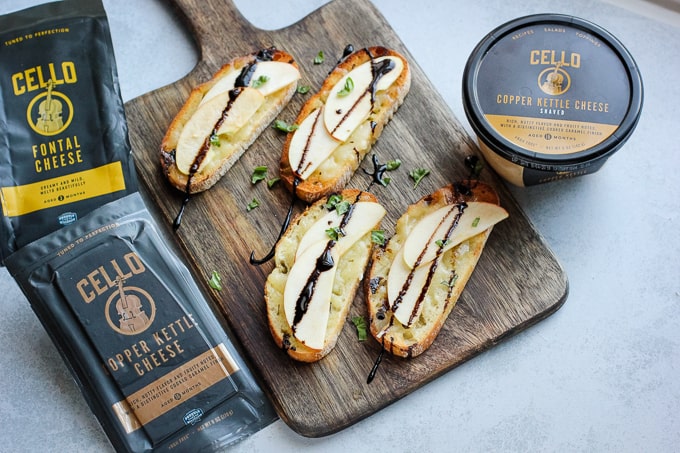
(345, 274)
(445, 280)
(214, 157)
(335, 171)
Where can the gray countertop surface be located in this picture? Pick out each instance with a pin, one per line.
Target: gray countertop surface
(601, 374)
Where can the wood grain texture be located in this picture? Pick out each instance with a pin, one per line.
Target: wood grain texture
(517, 282)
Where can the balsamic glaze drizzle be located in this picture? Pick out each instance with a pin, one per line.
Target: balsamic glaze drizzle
(378, 69)
(374, 370)
(289, 215)
(378, 173)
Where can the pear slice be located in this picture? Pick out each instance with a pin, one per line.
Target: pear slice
(277, 74)
(310, 145)
(203, 122)
(345, 110)
(223, 85)
(422, 240)
(365, 216)
(311, 327)
(404, 287)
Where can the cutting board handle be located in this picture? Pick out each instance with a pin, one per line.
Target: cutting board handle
(216, 24)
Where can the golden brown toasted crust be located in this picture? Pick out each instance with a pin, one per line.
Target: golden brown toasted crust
(440, 299)
(207, 177)
(350, 271)
(330, 177)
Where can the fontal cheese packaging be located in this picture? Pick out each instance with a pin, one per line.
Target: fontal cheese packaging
(64, 149)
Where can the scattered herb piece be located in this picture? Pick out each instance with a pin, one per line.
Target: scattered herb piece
(360, 324)
(441, 243)
(334, 233)
(475, 222)
(378, 237)
(475, 165)
(333, 200)
(260, 81)
(384, 181)
(303, 89)
(283, 126)
(259, 174)
(252, 205)
(342, 207)
(271, 182)
(349, 86)
(319, 58)
(215, 281)
(215, 140)
(418, 174)
(393, 164)
(450, 283)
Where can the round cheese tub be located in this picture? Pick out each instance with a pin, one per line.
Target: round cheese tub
(550, 97)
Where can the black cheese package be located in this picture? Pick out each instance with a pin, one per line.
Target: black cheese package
(151, 358)
(64, 148)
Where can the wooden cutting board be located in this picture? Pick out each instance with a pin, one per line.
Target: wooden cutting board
(517, 282)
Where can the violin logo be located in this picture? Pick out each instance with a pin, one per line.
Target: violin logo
(129, 310)
(50, 112)
(554, 80)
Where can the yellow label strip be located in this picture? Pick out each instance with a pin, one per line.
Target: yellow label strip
(27, 198)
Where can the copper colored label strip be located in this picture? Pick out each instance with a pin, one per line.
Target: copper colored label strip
(174, 388)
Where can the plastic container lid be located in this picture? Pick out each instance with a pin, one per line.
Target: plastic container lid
(552, 92)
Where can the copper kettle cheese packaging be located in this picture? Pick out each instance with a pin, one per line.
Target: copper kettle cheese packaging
(150, 357)
(64, 148)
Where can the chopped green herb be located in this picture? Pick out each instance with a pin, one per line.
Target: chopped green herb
(349, 86)
(260, 81)
(418, 174)
(475, 222)
(271, 182)
(378, 237)
(441, 243)
(334, 233)
(319, 58)
(384, 181)
(303, 89)
(393, 164)
(333, 200)
(259, 174)
(342, 207)
(451, 283)
(215, 140)
(360, 324)
(215, 281)
(252, 205)
(284, 127)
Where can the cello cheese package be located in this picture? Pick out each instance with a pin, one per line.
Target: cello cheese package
(153, 361)
(64, 148)
(149, 355)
